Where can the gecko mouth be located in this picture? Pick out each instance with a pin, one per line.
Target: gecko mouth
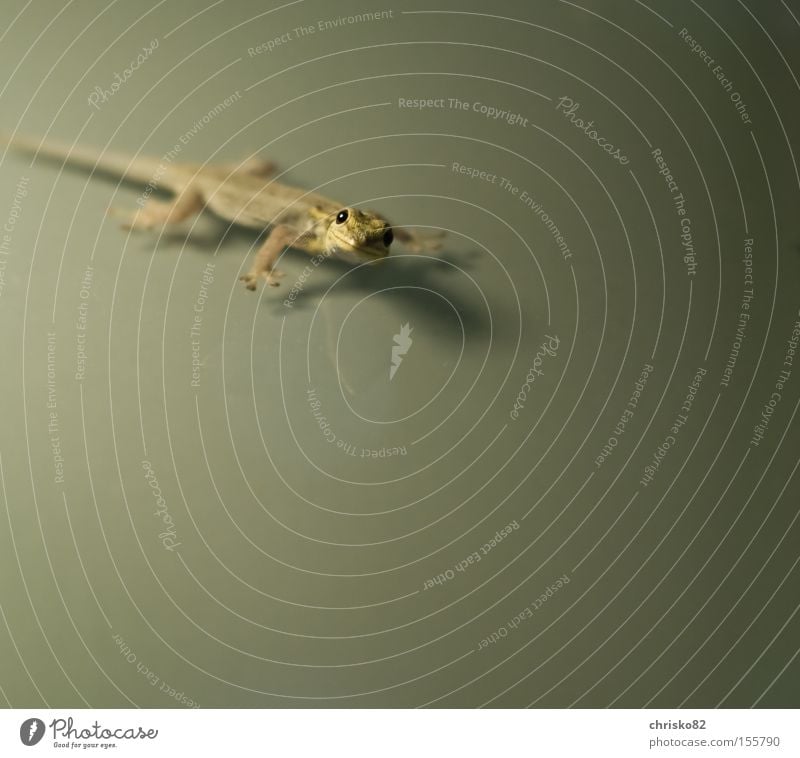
(348, 250)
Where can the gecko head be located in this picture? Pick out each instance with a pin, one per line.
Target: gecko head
(358, 236)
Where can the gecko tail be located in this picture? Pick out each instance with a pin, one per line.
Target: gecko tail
(141, 170)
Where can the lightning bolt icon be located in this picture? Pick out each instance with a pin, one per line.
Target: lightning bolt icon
(402, 344)
(33, 730)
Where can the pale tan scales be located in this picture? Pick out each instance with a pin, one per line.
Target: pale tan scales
(241, 194)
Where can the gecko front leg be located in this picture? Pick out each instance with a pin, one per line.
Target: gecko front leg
(279, 238)
(156, 213)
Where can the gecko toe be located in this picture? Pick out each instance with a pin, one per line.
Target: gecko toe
(273, 278)
(249, 281)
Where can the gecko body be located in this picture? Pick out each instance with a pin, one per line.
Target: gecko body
(240, 193)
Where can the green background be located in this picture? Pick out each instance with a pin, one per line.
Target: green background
(303, 574)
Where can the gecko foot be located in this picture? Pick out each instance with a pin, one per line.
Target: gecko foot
(270, 277)
(250, 281)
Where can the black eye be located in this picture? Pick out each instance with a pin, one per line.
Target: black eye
(388, 237)
(341, 217)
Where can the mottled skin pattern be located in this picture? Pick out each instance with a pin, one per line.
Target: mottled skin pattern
(241, 194)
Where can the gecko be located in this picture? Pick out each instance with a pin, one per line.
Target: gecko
(241, 193)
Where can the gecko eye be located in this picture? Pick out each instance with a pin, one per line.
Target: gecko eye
(388, 238)
(341, 217)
